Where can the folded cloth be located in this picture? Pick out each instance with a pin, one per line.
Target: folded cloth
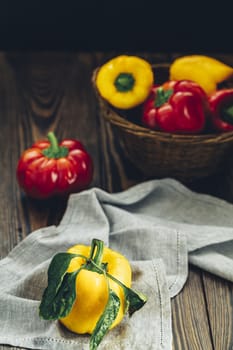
(158, 225)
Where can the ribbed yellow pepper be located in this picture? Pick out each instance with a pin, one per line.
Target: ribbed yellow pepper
(89, 290)
(208, 72)
(92, 289)
(125, 81)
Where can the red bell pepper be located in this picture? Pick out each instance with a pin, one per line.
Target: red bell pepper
(49, 169)
(176, 107)
(221, 110)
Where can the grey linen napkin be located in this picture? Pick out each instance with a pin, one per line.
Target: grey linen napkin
(158, 225)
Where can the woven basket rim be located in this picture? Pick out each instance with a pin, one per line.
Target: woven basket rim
(116, 119)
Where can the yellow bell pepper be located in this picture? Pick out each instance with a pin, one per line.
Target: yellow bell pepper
(208, 72)
(89, 290)
(92, 289)
(125, 81)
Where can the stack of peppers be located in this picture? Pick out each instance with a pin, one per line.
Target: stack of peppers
(184, 107)
(188, 103)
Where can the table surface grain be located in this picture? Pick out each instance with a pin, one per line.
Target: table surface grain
(43, 91)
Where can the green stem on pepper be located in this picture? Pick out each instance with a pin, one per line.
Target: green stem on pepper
(162, 96)
(54, 150)
(97, 249)
(227, 114)
(124, 82)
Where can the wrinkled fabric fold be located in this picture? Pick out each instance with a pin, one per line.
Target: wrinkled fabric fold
(159, 225)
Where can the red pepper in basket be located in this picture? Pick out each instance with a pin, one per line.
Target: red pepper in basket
(48, 168)
(176, 106)
(221, 108)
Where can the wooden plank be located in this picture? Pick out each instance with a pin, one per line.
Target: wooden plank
(41, 92)
(189, 318)
(49, 91)
(219, 300)
(12, 219)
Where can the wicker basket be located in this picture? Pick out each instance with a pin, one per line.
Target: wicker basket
(159, 154)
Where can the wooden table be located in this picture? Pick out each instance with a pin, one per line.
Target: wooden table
(42, 91)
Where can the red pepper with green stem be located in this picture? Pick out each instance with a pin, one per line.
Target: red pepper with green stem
(221, 110)
(176, 107)
(50, 169)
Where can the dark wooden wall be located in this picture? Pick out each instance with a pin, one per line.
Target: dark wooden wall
(158, 25)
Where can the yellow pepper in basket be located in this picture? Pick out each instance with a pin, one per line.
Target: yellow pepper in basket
(125, 81)
(208, 72)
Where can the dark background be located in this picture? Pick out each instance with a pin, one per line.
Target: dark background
(116, 25)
